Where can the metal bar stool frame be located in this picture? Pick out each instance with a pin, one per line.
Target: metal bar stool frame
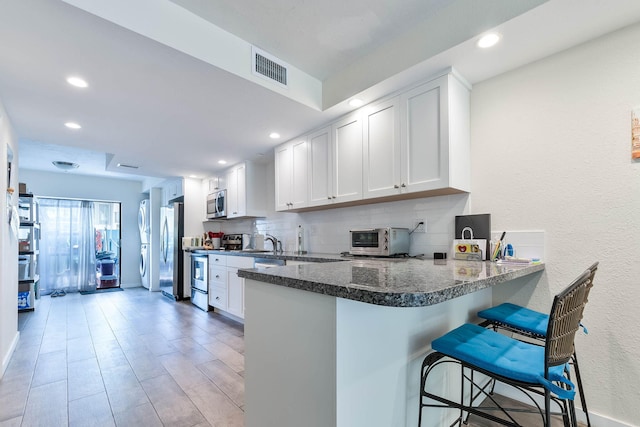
(515, 328)
(564, 321)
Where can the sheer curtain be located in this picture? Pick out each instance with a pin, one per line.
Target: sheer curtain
(67, 246)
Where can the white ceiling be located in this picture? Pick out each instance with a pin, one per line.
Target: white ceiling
(174, 107)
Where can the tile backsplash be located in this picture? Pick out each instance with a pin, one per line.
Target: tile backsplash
(327, 231)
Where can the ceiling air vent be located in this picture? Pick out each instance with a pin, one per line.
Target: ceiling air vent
(268, 67)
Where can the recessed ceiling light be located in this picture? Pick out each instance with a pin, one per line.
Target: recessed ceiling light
(274, 135)
(488, 40)
(356, 102)
(65, 166)
(193, 176)
(77, 82)
(222, 162)
(72, 125)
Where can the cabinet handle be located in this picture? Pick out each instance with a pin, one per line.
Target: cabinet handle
(235, 213)
(403, 185)
(329, 198)
(396, 186)
(217, 276)
(217, 297)
(333, 197)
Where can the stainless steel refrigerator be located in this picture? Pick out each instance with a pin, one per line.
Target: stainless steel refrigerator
(171, 259)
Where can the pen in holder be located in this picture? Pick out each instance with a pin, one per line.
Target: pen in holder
(496, 250)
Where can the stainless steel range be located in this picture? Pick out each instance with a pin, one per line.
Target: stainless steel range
(199, 281)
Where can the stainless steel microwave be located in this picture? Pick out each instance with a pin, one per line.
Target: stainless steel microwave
(385, 241)
(217, 204)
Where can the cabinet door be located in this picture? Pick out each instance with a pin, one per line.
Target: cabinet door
(216, 183)
(299, 176)
(319, 167)
(235, 293)
(283, 159)
(381, 133)
(218, 297)
(424, 154)
(241, 176)
(347, 159)
(236, 191)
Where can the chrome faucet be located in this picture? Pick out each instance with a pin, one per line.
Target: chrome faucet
(277, 244)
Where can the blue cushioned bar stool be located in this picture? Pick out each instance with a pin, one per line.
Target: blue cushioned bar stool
(531, 324)
(483, 357)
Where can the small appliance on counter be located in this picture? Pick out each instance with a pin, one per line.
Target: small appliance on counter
(382, 242)
(236, 242)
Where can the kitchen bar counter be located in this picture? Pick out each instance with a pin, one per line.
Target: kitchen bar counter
(403, 282)
(341, 344)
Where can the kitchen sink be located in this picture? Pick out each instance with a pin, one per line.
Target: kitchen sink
(256, 250)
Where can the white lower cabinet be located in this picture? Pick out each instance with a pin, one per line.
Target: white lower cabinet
(226, 289)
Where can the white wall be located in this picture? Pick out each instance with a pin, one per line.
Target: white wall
(8, 248)
(128, 193)
(551, 150)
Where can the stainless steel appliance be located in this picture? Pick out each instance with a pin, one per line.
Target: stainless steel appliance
(143, 221)
(236, 242)
(387, 241)
(199, 281)
(171, 259)
(217, 204)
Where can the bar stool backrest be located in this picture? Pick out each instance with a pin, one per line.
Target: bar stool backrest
(565, 316)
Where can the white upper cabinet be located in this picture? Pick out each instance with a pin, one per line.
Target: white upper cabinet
(414, 144)
(382, 149)
(435, 137)
(319, 167)
(291, 175)
(171, 189)
(347, 159)
(216, 183)
(246, 190)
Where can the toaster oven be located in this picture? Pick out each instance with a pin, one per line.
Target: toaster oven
(387, 241)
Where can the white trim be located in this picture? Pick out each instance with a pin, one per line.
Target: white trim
(596, 419)
(7, 358)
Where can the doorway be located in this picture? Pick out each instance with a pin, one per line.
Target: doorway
(79, 246)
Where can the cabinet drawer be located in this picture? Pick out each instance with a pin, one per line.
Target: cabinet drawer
(217, 276)
(218, 297)
(240, 262)
(215, 259)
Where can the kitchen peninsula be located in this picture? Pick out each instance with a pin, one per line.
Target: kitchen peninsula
(340, 344)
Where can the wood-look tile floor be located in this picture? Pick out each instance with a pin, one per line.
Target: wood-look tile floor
(131, 358)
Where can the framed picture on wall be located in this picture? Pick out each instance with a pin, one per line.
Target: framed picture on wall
(635, 134)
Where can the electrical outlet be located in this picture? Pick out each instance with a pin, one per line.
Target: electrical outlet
(420, 226)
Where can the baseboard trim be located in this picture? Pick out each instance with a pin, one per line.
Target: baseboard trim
(7, 357)
(596, 419)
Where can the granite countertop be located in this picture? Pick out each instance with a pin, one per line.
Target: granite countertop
(395, 282)
(287, 256)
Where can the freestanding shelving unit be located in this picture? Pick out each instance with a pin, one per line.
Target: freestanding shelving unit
(28, 252)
